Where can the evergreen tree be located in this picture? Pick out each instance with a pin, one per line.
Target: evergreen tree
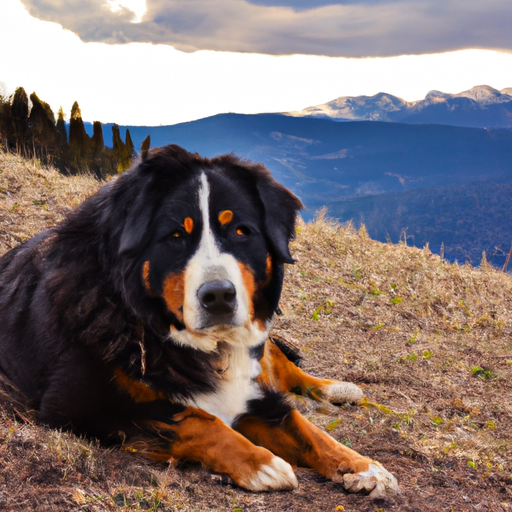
(19, 115)
(42, 126)
(129, 144)
(101, 161)
(97, 138)
(33, 131)
(78, 139)
(61, 142)
(61, 134)
(6, 133)
(122, 154)
(117, 143)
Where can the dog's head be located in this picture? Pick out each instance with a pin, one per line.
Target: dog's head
(207, 239)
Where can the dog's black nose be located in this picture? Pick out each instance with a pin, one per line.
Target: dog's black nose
(218, 297)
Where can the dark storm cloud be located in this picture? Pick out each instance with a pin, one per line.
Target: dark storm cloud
(350, 28)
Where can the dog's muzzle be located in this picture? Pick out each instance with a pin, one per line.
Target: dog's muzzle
(218, 300)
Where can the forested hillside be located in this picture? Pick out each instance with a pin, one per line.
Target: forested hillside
(28, 128)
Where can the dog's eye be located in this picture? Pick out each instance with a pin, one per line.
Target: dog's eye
(242, 230)
(176, 234)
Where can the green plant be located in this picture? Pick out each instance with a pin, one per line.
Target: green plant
(483, 373)
(412, 357)
(427, 354)
(325, 307)
(333, 424)
(358, 273)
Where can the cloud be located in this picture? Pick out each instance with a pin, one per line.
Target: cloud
(349, 28)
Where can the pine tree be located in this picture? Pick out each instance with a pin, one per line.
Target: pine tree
(122, 153)
(6, 133)
(19, 115)
(129, 144)
(78, 139)
(97, 138)
(42, 127)
(61, 135)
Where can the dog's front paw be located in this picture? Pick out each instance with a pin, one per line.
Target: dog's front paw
(341, 392)
(376, 480)
(277, 475)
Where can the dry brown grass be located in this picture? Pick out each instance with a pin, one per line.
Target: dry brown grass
(430, 343)
(33, 197)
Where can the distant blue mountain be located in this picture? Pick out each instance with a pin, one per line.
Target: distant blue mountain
(372, 171)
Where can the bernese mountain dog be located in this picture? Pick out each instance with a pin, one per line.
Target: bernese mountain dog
(143, 319)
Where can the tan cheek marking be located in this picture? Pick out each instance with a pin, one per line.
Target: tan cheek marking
(145, 278)
(139, 391)
(252, 289)
(268, 271)
(225, 217)
(174, 294)
(188, 224)
(249, 285)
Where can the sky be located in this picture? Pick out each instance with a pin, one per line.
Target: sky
(152, 62)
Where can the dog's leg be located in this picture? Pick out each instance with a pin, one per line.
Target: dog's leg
(302, 444)
(195, 435)
(280, 373)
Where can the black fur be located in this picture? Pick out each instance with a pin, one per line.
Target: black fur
(74, 308)
(271, 408)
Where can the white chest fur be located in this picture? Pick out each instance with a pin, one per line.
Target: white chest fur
(237, 372)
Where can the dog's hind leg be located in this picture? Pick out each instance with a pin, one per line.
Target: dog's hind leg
(279, 372)
(302, 444)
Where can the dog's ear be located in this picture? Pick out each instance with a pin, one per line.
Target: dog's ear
(135, 230)
(281, 207)
(141, 204)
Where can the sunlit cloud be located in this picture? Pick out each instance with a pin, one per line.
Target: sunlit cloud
(349, 28)
(138, 7)
(145, 83)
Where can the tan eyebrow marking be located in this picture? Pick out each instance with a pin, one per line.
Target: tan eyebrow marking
(188, 224)
(225, 217)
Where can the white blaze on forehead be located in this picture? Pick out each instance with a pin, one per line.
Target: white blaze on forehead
(208, 248)
(208, 264)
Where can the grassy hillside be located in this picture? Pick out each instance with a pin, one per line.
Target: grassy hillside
(430, 343)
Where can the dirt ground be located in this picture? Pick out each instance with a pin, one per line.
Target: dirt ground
(429, 342)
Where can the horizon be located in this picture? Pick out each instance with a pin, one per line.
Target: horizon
(91, 121)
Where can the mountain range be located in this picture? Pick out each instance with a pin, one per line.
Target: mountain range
(418, 181)
(481, 106)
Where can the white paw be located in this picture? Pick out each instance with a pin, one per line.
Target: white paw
(343, 392)
(376, 480)
(276, 476)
